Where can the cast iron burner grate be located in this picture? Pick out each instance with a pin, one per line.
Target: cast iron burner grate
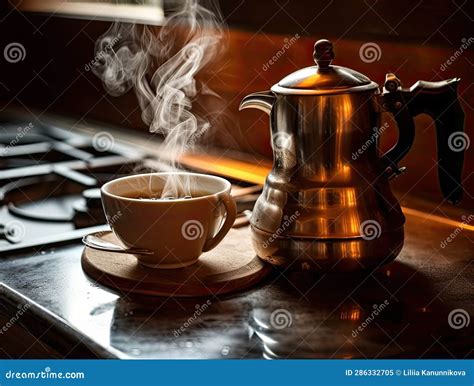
(49, 183)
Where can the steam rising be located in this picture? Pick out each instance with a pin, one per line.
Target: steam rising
(160, 65)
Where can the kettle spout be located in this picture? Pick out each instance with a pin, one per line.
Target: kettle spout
(260, 100)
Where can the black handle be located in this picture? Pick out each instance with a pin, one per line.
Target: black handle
(440, 101)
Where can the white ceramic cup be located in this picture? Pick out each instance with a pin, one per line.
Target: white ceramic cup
(176, 231)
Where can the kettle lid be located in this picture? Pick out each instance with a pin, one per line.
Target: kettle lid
(324, 78)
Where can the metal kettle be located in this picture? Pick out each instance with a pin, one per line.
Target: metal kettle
(327, 204)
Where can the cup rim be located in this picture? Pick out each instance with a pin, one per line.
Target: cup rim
(106, 186)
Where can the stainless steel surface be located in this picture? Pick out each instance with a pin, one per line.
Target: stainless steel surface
(95, 241)
(422, 287)
(336, 255)
(324, 79)
(317, 191)
(327, 203)
(48, 334)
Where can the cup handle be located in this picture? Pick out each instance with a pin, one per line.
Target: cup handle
(231, 210)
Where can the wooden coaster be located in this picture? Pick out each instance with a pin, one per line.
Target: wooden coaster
(230, 267)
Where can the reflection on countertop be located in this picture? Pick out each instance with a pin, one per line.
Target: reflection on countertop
(399, 310)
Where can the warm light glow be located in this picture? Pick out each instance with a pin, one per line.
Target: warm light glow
(352, 314)
(256, 173)
(240, 170)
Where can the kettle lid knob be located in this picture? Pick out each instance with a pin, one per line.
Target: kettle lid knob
(323, 53)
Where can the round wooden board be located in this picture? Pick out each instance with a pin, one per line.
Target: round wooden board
(230, 267)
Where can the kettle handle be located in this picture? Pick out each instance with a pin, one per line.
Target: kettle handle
(440, 101)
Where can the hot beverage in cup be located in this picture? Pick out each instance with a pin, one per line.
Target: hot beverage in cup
(177, 224)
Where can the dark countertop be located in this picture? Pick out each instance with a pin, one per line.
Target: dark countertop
(313, 316)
